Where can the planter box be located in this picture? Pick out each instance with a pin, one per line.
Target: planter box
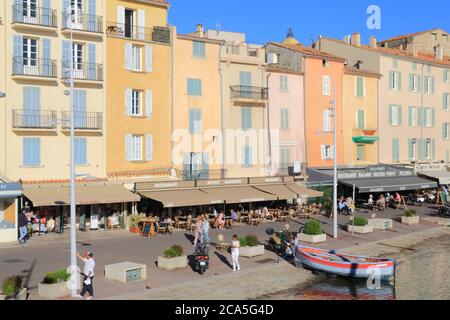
(172, 263)
(381, 224)
(54, 291)
(126, 272)
(250, 252)
(312, 239)
(410, 220)
(358, 229)
(22, 295)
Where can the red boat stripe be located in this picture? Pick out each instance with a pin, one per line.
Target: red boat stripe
(348, 264)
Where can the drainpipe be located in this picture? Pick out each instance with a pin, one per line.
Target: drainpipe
(304, 62)
(421, 111)
(172, 93)
(268, 124)
(6, 96)
(222, 128)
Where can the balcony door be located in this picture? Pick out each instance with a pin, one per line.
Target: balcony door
(245, 81)
(80, 109)
(29, 55)
(77, 12)
(78, 60)
(31, 107)
(29, 8)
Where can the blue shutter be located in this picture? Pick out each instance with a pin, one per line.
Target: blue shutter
(65, 4)
(80, 151)
(204, 174)
(194, 121)
(66, 56)
(31, 106)
(18, 11)
(46, 13)
(31, 152)
(198, 49)
(17, 54)
(92, 63)
(46, 58)
(80, 108)
(187, 166)
(92, 10)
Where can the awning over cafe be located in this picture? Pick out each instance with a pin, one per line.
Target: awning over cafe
(301, 190)
(44, 196)
(182, 197)
(389, 184)
(441, 176)
(240, 194)
(279, 190)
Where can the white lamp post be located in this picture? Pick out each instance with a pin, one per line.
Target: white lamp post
(335, 176)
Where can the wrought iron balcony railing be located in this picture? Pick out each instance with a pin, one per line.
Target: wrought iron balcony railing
(83, 22)
(83, 71)
(24, 66)
(34, 15)
(83, 120)
(248, 92)
(155, 34)
(34, 119)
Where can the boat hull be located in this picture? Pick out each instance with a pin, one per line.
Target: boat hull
(332, 263)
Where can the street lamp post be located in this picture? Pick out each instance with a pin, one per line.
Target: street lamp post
(335, 176)
(73, 212)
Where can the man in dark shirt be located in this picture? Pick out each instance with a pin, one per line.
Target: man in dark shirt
(22, 224)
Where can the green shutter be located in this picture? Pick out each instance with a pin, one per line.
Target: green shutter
(410, 116)
(443, 131)
(395, 150)
(410, 149)
(433, 117)
(415, 66)
(361, 119)
(444, 101)
(395, 63)
(391, 79)
(360, 152)
(400, 115)
(411, 82)
(360, 86)
(419, 80)
(399, 81)
(433, 146)
(390, 114)
(421, 150)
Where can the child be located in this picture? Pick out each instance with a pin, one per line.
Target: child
(235, 245)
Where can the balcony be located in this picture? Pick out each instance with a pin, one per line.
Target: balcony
(23, 67)
(249, 95)
(365, 136)
(82, 23)
(84, 121)
(84, 71)
(35, 18)
(34, 119)
(155, 34)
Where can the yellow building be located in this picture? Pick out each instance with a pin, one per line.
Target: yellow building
(360, 119)
(138, 76)
(35, 67)
(196, 108)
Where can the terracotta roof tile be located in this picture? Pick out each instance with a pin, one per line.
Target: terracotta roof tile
(160, 3)
(406, 36)
(352, 70)
(309, 51)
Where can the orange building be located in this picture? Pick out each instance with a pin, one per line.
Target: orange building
(323, 76)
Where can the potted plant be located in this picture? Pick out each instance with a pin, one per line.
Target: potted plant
(172, 259)
(55, 285)
(134, 223)
(312, 233)
(359, 225)
(410, 217)
(12, 289)
(250, 247)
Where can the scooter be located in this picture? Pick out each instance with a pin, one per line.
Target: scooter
(201, 253)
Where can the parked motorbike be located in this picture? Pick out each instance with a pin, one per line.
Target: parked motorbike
(201, 254)
(444, 211)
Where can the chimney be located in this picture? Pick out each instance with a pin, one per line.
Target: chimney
(199, 30)
(373, 42)
(356, 39)
(439, 53)
(412, 49)
(347, 39)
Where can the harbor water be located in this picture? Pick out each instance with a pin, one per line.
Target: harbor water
(422, 274)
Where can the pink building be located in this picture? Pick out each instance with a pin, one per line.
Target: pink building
(286, 118)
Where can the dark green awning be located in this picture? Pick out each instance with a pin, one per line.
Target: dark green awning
(366, 139)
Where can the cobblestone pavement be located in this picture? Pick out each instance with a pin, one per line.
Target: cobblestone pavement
(51, 252)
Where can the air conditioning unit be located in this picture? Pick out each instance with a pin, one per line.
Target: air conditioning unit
(272, 58)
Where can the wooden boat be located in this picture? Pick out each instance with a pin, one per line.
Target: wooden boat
(344, 265)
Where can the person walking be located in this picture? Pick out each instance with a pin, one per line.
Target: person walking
(22, 223)
(198, 229)
(235, 245)
(205, 228)
(88, 273)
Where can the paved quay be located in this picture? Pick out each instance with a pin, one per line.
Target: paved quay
(51, 252)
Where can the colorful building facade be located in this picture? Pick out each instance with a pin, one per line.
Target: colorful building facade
(197, 151)
(138, 76)
(35, 71)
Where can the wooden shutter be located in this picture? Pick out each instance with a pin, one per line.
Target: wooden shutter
(128, 101)
(128, 56)
(149, 58)
(149, 147)
(141, 24)
(149, 103)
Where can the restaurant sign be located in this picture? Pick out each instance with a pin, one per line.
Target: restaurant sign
(10, 190)
(374, 174)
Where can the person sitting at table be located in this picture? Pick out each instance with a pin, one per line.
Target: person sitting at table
(342, 205)
(219, 222)
(234, 216)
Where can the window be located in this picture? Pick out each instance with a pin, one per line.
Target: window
(284, 116)
(134, 147)
(413, 117)
(78, 56)
(429, 117)
(428, 150)
(246, 118)
(412, 150)
(361, 118)
(284, 85)
(327, 152)
(446, 76)
(325, 63)
(194, 87)
(359, 152)
(129, 23)
(395, 81)
(413, 83)
(428, 82)
(136, 101)
(80, 151)
(198, 49)
(326, 85)
(360, 87)
(136, 58)
(195, 121)
(395, 115)
(446, 101)
(29, 11)
(326, 120)
(284, 157)
(31, 152)
(29, 53)
(445, 131)
(247, 156)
